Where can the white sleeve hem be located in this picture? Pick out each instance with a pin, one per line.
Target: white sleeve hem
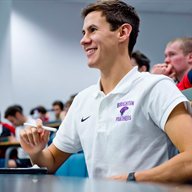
(170, 109)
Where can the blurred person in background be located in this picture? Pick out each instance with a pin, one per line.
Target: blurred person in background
(15, 115)
(58, 109)
(68, 103)
(6, 130)
(178, 62)
(140, 60)
(40, 112)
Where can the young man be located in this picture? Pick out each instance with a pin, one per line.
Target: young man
(15, 115)
(127, 123)
(178, 62)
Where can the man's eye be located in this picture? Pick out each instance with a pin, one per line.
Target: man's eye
(92, 29)
(171, 54)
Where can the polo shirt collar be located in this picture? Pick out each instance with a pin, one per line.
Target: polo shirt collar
(123, 86)
(127, 82)
(98, 91)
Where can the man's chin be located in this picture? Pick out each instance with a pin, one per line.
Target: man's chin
(91, 65)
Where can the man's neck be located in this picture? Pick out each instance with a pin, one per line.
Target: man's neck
(110, 78)
(180, 76)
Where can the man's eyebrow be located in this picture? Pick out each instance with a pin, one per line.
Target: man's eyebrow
(92, 26)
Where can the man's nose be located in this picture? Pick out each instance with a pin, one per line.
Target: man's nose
(85, 39)
(167, 60)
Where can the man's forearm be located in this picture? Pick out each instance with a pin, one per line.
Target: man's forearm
(178, 170)
(43, 159)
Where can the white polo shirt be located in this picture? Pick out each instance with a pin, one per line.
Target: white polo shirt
(122, 131)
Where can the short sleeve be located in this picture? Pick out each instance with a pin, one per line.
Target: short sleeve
(67, 138)
(162, 99)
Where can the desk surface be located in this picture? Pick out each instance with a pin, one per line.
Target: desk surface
(54, 124)
(51, 183)
(9, 144)
(5, 145)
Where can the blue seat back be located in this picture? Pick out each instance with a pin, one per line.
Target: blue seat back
(188, 93)
(74, 166)
(2, 162)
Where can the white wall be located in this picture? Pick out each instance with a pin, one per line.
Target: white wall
(159, 28)
(6, 92)
(47, 59)
(47, 62)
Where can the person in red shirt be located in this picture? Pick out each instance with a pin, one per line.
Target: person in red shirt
(6, 129)
(178, 62)
(186, 82)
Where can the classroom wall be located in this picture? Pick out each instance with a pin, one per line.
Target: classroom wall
(6, 89)
(158, 28)
(40, 56)
(47, 59)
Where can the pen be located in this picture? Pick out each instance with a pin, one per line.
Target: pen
(44, 127)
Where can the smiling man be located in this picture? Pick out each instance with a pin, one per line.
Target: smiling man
(131, 124)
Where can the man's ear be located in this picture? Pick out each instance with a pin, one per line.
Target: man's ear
(124, 32)
(190, 58)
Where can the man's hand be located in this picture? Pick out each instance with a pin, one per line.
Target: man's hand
(164, 69)
(34, 140)
(119, 177)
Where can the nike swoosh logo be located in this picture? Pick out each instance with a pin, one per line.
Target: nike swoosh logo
(84, 119)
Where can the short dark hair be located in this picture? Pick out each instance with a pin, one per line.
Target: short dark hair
(40, 109)
(59, 103)
(12, 110)
(141, 59)
(117, 13)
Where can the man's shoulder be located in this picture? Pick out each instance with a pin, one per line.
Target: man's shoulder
(153, 78)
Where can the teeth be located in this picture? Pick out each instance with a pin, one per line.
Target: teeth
(90, 51)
